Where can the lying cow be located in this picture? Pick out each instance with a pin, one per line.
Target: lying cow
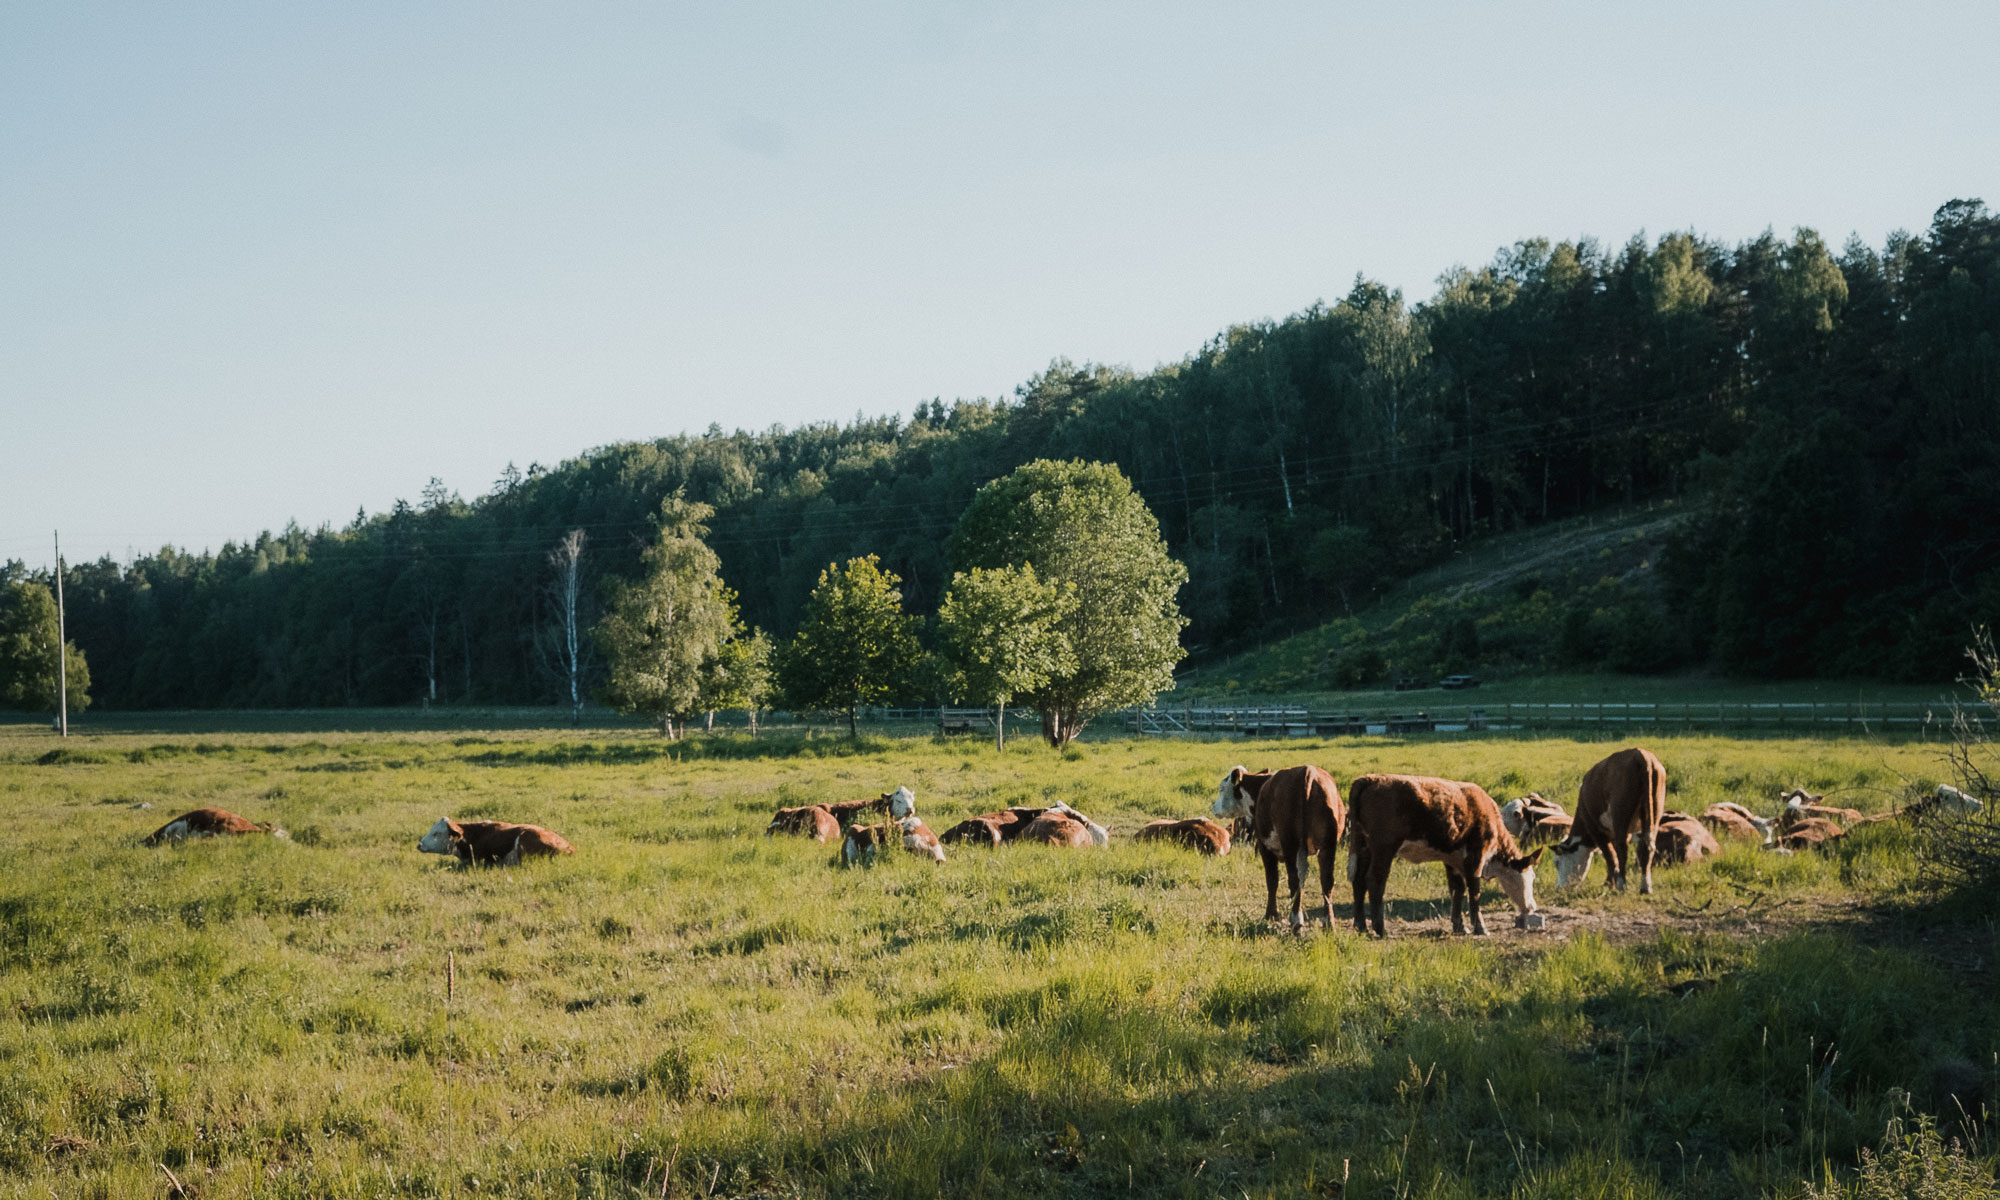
(1620, 801)
(1196, 833)
(207, 823)
(1807, 833)
(864, 842)
(897, 804)
(1055, 828)
(1730, 819)
(1534, 821)
(1802, 805)
(489, 843)
(1294, 814)
(991, 829)
(815, 821)
(1420, 819)
(1947, 800)
(1681, 839)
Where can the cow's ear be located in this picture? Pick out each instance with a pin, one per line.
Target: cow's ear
(1528, 863)
(1235, 776)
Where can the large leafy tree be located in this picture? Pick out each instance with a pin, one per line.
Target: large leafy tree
(856, 646)
(28, 655)
(1002, 632)
(664, 630)
(1081, 525)
(738, 675)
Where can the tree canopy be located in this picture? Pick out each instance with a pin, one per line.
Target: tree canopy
(1002, 632)
(666, 630)
(30, 663)
(855, 645)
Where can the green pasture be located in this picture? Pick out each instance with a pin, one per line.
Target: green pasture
(686, 1008)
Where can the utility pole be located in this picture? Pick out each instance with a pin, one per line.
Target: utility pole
(62, 649)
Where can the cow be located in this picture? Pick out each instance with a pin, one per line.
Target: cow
(1294, 814)
(815, 821)
(977, 831)
(207, 823)
(487, 843)
(897, 804)
(1534, 821)
(1682, 839)
(1099, 835)
(1055, 828)
(1801, 805)
(1620, 800)
(1730, 819)
(1946, 800)
(1421, 819)
(1807, 833)
(863, 842)
(1196, 833)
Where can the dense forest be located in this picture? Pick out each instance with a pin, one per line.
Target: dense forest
(1829, 422)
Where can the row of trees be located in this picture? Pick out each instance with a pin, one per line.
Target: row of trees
(1066, 601)
(1828, 418)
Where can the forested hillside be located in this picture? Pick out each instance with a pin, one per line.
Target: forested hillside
(1829, 421)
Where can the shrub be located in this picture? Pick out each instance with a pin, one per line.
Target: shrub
(1913, 1165)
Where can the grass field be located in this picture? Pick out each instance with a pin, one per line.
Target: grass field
(686, 1008)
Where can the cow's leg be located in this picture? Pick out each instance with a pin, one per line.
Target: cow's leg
(1270, 884)
(1475, 866)
(1295, 870)
(1457, 899)
(1645, 850)
(1326, 882)
(1614, 863)
(1357, 874)
(1381, 860)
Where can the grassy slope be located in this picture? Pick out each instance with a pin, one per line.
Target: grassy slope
(687, 997)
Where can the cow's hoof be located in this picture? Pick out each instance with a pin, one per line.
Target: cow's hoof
(1530, 921)
(1479, 931)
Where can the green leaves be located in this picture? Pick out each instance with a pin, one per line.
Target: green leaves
(28, 656)
(1003, 631)
(664, 630)
(855, 646)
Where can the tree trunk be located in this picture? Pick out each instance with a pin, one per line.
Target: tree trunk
(853, 730)
(1000, 726)
(751, 713)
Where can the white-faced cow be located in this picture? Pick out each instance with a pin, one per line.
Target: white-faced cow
(1946, 800)
(207, 823)
(919, 840)
(1420, 819)
(897, 804)
(815, 821)
(1294, 814)
(1196, 833)
(1534, 821)
(491, 843)
(1681, 839)
(1802, 805)
(1620, 801)
(1730, 819)
(864, 842)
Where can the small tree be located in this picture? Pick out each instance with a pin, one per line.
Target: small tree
(1000, 633)
(565, 644)
(739, 675)
(29, 656)
(855, 646)
(1081, 524)
(664, 630)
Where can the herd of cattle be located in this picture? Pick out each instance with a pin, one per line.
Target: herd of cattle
(1292, 816)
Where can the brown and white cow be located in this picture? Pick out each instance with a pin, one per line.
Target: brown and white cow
(991, 829)
(1730, 819)
(1801, 805)
(1421, 819)
(489, 843)
(1534, 821)
(207, 823)
(897, 804)
(1682, 839)
(1807, 833)
(1294, 814)
(815, 821)
(1621, 800)
(1057, 828)
(864, 842)
(1196, 833)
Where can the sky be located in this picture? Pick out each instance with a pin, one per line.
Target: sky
(266, 262)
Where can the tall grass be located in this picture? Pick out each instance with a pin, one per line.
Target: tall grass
(688, 1008)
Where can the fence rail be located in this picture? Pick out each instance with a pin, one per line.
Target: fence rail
(1297, 720)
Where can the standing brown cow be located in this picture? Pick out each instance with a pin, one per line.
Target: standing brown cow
(1621, 799)
(1294, 814)
(1420, 819)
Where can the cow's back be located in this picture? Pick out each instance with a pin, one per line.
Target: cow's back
(1441, 813)
(1301, 807)
(1624, 794)
(1057, 829)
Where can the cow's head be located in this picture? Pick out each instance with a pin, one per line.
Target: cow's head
(1954, 801)
(1232, 799)
(442, 838)
(1516, 876)
(902, 802)
(1572, 860)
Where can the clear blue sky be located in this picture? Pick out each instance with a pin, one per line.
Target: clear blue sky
(280, 261)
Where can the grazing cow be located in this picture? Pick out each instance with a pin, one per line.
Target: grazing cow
(1681, 839)
(1420, 819)
(1807, 833)
(815, 821)
(897, 804)
(1801, 805)
(207, 823)
(1294, 814)
(1731, 819)
(1620, 800)
(1055, 828)
(1196, 833)
(486, 843)
(1534, 821)
(863, 842)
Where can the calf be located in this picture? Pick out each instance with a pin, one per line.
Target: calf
(1534, 821)
(897, 804)
(1681, 839)
(1420, 819)
(1620, 800)
(1731, 819)
(815, 821)
(864, 842)
(486, 843)
(1196, 833)
(207, 823)
(1055, 828)
(1294, 814)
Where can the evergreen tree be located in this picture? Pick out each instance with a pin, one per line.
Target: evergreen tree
(856, 646)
